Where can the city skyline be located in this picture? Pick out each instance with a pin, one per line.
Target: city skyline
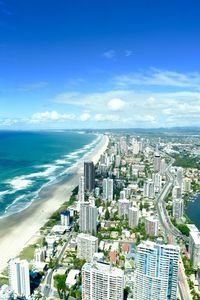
(97, 65)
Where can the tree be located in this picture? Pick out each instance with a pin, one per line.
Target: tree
(107, 215)
(60, 284)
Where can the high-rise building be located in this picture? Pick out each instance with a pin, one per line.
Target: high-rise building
(194, 245)
(65, 218)
(101, 281)
(19, 278)
(157, 180)
(89, 175)
(179, 176)
(162, 166)
(156, 272)
(149, 190)
(88, 218)
(136, 147)
(87, 245)
(108, 189)
(151, 226)
(123, 208)
(133, 217)
(178, 207)
(176, 192)
(117, 160)
(81, 189)
(157, 160)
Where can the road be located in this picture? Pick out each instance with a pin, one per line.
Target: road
(171, 230)
(48, 281)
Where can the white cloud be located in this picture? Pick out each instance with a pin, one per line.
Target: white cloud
(49, 116)
(156, 77)
(109, 54)
(85, 117)
(116, 104)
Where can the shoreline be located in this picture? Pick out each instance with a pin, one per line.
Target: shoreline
(16, 231)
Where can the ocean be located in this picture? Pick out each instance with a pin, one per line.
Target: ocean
(29, 161)
(193, 209)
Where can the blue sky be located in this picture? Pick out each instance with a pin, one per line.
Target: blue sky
(99, 64)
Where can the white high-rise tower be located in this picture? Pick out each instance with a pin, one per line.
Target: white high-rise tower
(19, 279)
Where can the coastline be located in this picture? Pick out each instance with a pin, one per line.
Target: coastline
(18, 230)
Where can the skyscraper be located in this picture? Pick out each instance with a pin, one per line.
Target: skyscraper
(100, 281)
(157, 160)
(89, 175)
(81, 189)
(178, 207)
(88, 218)
(108, 189)
(149, 190)
(156, 273)
(19, 279)
(133, 217)
(151, 226)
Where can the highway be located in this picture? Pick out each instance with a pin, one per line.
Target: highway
(171, 230)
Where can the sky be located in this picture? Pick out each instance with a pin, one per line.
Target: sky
(99, 64)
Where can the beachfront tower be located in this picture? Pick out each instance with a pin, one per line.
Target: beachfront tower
(89, 175)
(156, 273)
(19, 279)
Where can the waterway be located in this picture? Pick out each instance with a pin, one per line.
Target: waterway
(193, 209)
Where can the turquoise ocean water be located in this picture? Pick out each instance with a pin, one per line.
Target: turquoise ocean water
(31, 160)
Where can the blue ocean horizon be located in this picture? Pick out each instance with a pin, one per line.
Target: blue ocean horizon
(29, 161)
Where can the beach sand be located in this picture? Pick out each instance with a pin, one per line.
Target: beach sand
(18, 230)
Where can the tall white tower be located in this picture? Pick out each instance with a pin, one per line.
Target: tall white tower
(19, 279)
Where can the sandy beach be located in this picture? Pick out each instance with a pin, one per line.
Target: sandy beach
(17, 231)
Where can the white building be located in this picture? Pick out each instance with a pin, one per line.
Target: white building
(81, 191)
(136, 147)
(88, 218)
(51, 245)
(101, 281)
(72, 278)
(156, 273)
(176, 192)
(133, 217)
(151, 226)
(157, 180)
(149, 191)
(87, 245)
(19, 278)
(194, 246)
(178, 208)
(187, 185)
(108, 189)
(123, 208)
(40, 255)
(162, 166)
